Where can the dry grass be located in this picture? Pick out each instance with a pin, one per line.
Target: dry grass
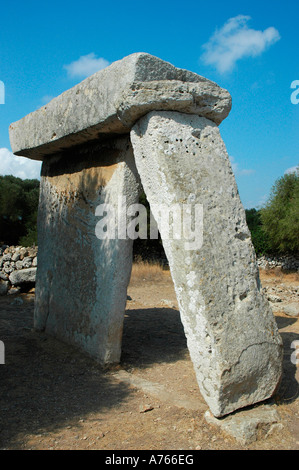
(279, 275)
(154, 271)
(147, 271)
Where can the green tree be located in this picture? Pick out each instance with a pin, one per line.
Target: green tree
(259, 238)
(280, 216)
(18, 210)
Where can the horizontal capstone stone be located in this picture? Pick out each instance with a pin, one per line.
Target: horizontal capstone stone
(112, 100)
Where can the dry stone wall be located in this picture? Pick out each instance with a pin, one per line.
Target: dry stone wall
(286, 262)
(18, 266)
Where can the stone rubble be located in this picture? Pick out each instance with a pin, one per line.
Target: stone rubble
(283, 298)
(286, 262)
(249, 425)
(18, 266)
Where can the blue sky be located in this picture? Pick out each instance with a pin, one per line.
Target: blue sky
(249, 48)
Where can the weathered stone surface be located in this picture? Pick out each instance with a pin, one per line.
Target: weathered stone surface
(249, 425)
(16, 256)
(231, 332)
(8, 267)
(273, 298)
(6, 257)
(111, 100)
(23, 276)
(19, 264)
(27, 262)
(81, 285)
(291, 309)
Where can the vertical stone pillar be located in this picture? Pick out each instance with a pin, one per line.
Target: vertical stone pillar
(82, 280)
(231, 332)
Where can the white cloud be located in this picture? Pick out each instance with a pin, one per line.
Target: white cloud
(237, 170)
(236, 40)
(293, 169)
(85, 66)
(20, 167)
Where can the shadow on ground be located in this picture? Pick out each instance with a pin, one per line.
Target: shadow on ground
(46, 384)
(152, 335)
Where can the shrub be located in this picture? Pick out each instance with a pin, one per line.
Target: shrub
(280, 216)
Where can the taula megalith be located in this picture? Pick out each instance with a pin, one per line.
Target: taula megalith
(142, 121)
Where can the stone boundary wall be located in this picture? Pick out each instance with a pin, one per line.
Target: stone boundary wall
(287, 262)
(17, 268)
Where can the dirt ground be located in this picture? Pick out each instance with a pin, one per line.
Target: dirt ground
(54, 397)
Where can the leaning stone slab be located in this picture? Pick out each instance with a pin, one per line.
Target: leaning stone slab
(231, 332)
(249, 425)
(111, 101)
(23, 276)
